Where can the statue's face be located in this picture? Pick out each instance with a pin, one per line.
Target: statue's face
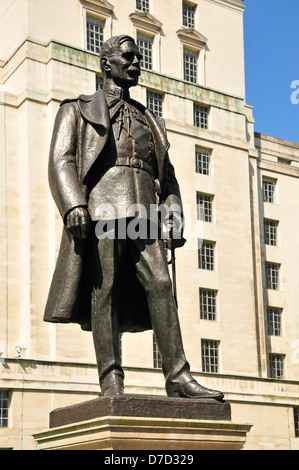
(124, 65)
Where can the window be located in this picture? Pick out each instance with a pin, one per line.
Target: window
(188, 15)
(296, 421)
(154, 102)
(99, 82)
(205, 207)
(4, 405)
(207, 304)
(269, 190)
(202, 161)
(190, 65)
(210, 355)
(200, 114)
(157, 361)
(272, 276)
(145, 44)
(276, 363)
(142, 5)
(274, 321)
(270, 232)
(95, 33)
(206, 255)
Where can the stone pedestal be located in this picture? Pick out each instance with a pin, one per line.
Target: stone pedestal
(143, 423)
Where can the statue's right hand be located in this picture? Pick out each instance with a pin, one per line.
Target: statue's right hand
(77, 222)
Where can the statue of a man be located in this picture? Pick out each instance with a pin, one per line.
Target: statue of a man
(108, 156)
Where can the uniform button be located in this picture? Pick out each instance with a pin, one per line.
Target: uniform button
(136, 162)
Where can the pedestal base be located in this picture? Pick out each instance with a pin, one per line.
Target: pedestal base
(143, 423)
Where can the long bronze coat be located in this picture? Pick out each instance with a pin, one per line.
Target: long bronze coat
(79, 137)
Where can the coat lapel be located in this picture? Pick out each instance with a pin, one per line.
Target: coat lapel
(95, 111)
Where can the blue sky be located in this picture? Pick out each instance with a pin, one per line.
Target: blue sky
(271, 36)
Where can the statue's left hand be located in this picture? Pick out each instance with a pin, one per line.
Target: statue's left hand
(77, 222)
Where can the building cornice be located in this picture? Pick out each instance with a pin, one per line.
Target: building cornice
(232, 4)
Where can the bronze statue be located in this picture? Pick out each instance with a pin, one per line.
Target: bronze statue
(106, 149)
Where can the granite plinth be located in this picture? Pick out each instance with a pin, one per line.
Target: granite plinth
(142, 407)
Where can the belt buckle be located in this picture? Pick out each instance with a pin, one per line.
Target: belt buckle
(136, 162)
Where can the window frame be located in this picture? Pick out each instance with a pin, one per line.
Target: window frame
(155, 107)
(272, 280)
(207, 214)
(201, 116)
(269, 195)
(208, 304)
(206, 255)
(271, 236)
(274, 321)
(5, 398)
(276, 366)
(203, 156)
(213, 355)
(190, 72)
(144, 5)
(191, 7)
(148, 65)
(157, 360)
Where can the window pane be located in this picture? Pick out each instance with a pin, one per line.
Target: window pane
(142, 5)
(206, 255)
(270, 232)
(276, 363)
(95, 34)
(269, 190)
(157, 361)
(205, 207)
(201, 116)
(207, 304)
(154, 103)
(188, 15)
(190, 66)
(4, 406)
(274, 321)
(272, 276)
(296, 421)
(210, 355)
(203, 161)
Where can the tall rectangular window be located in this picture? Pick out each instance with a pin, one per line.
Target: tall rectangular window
(190, 65)
(188, 15)
(204, 207)
(4, 406)
(210, 355)
(200, 116)
(155, 102)
(157, 360)
(270, 232)
(202, 161)
(296, 421)
(269, 190)
(206, 255)
(99, 82)
(276, 364)
(95, 33)
(142, 5)
(272, 276)
(207, 304)
(145, 45)
(274, 321)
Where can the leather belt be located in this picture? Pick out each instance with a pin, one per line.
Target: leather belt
(135, 162)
